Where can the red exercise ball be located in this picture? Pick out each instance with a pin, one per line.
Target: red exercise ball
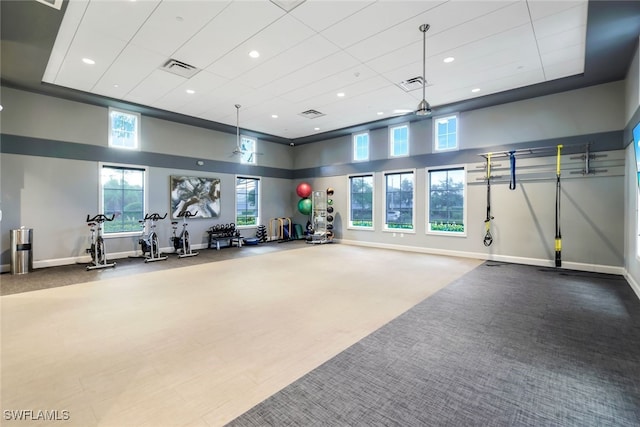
(303, 190)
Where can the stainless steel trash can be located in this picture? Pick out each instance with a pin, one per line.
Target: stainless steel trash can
(21, 250)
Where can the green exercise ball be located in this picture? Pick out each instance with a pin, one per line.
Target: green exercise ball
(304, 206)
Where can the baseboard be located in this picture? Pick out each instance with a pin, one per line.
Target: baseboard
(634, 285)
(594, 268)
(86, 259)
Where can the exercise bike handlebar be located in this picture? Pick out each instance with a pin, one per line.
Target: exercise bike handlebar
(187, 214)
(100, 218)
(154, 217)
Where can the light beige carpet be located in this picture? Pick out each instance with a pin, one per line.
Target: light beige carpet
(200, 345)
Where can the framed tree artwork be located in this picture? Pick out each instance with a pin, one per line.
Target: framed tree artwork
(198, 195)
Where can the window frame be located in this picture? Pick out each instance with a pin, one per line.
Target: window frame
(385, 225)
(354, 137)
(436, 134)
(145, 196)
(428, 201)
(138, 132)
(258, 201)
(392, 140)
(252, 154)
(350, 225)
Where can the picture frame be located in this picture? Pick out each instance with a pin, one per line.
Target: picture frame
(198, 195)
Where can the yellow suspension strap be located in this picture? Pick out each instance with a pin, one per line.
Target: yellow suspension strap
(558, 232)
(488, 239)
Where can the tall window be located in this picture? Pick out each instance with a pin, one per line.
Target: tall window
(124, 129)
(445, 133)
(399, 141)
(123, 195)
(248, 150)
(247, 201)
(399, 196)
(446, 200)
(361, 201)
(361, 147)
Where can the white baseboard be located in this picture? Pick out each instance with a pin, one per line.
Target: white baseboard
(634, 285)
(595, 268)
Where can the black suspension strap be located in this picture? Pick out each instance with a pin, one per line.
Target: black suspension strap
(558, 231)
(488, 239)
(512, 160)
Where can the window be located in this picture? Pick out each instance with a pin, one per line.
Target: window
(361, 201)
(247, 150)
(124, 129)
(446, 200)
(399, 141)
(247, 201)
(123, 195)
(361, 147)
(399, 196)
(445, 133)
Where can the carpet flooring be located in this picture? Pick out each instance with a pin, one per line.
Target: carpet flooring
(505, 345)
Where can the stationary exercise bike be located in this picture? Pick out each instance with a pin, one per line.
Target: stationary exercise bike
(97, 250)
(149, 243)
(181, 243)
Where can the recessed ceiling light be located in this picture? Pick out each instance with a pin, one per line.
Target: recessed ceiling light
(380, 113)
(1, 107)
(275, 116)
(340, 94)
(316, 128)
(402, 111)
(449, 59)
(475, 90)
(254, 54)
(116, 85)
(88, 61)
(191, 91)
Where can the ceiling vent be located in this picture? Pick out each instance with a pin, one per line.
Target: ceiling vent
(311, 114)
(180, 68)
(412, 84)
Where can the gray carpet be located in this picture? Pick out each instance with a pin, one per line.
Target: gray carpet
(505, 345)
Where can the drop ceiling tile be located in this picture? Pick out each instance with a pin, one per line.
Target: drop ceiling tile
(132, 66)
(374, 19)
(562, 21)
(564, 54)
(234, 25)
(173, 23)
(320, 15)
(119, 20)
(203, 84)
(542, 9)
(309, 51)
(572, 37)
(559, 70)
(154, 87)
(283, 34)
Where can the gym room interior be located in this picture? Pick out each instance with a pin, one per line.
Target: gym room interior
(319, 212)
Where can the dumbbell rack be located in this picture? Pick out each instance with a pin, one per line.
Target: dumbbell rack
(225, 233)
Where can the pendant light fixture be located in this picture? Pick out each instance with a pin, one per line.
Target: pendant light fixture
(238, 148)
(424, 109)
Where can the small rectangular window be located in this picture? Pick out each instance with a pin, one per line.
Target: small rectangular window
(361, 147)
(399, 197)
(123, 195)
(445, 133)
(124, 129)
(361, 201)
(248, 150)
(247, 201)
(446, 200)
(399, 141)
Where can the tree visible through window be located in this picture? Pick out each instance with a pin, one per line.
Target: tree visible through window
(446, 200)
(399, 141)
(124, 129)
(247, 201)
(122, 196)
(361, 147)
(361, 201)
(399, 200)
(248, 150)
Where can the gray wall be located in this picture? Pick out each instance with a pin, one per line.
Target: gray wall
(49, 166)
(51, 148)
(524, 225)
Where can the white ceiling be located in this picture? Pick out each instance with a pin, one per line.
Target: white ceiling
(362, 48)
